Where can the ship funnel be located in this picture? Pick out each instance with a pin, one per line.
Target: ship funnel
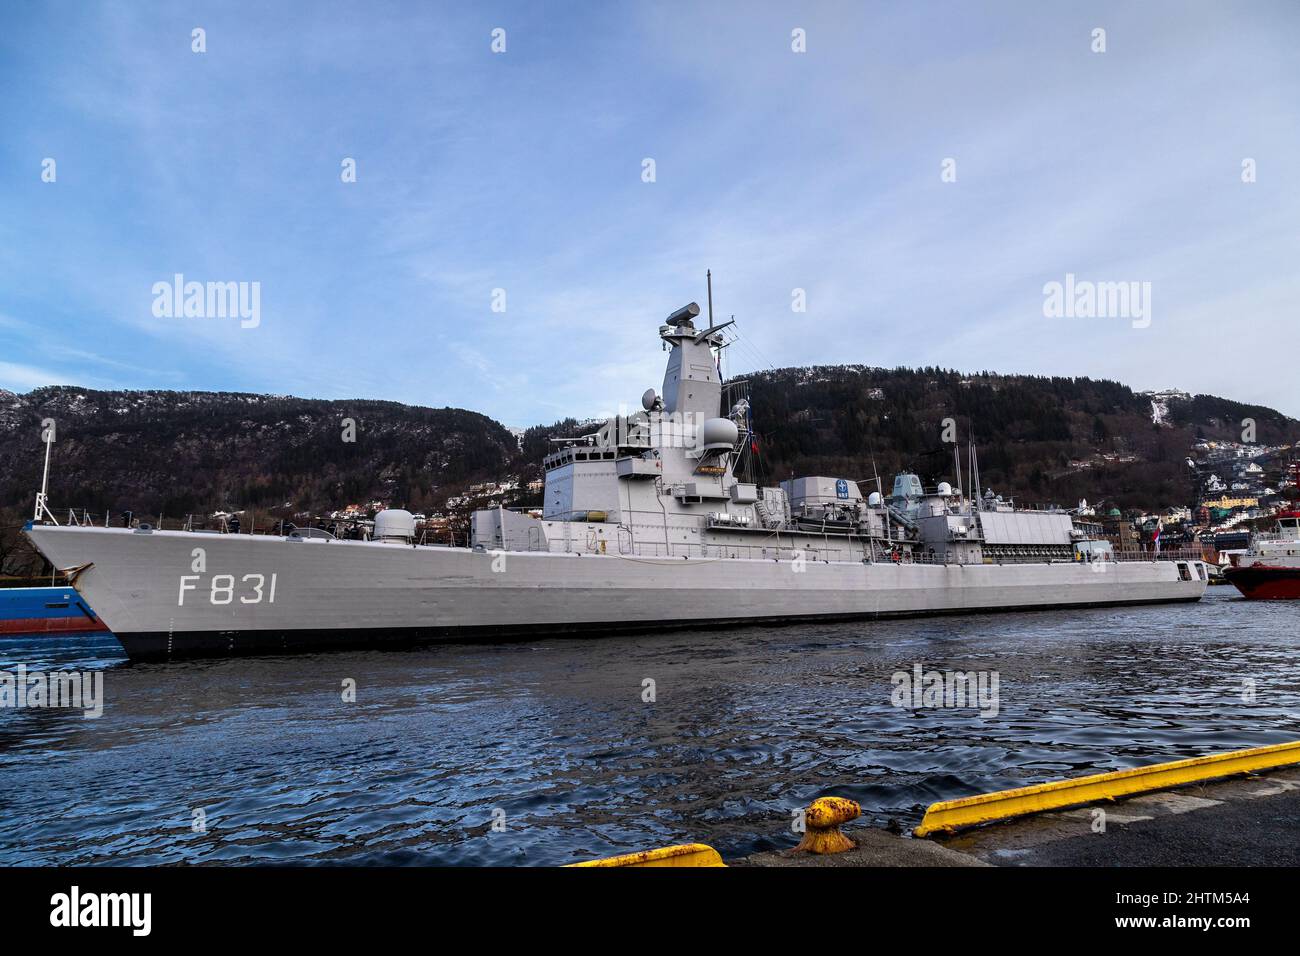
(684, 315)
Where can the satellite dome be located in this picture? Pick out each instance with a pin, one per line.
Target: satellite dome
(719, 434)
(394, 524)
(874, 500)
(945, 489)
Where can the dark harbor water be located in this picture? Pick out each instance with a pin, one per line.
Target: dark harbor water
(553, 740)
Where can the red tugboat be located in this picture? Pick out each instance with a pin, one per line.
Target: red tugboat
(1270, 568)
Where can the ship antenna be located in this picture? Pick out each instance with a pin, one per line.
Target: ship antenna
(42, 496)
(880, 489)
(708, 277)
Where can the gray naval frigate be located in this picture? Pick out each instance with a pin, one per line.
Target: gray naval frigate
(647, 523)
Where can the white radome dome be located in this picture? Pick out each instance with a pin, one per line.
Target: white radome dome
(719, 434)
(394, 524)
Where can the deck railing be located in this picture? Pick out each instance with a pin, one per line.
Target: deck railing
(1173, 554)
(822, 553)
(828, 548)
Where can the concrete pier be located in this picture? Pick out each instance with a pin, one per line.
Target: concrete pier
(1252, 820)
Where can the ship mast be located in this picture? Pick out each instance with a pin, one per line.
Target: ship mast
(42, 496)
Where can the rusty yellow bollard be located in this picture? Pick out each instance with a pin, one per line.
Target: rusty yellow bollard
(689, 854)
(822, 821)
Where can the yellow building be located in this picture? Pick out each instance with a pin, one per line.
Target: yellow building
(1226, 502)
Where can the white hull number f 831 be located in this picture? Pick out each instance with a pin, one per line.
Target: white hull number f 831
(222, 589)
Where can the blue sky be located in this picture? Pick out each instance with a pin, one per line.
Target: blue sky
(522, 171)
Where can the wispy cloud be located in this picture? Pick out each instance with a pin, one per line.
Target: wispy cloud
(522, 171)
(19, 378)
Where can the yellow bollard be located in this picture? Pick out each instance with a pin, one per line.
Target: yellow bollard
(822, 821)
(690, 854)
(949, 815)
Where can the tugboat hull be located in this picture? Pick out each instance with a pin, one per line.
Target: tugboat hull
(46, 611)
(1265, 583)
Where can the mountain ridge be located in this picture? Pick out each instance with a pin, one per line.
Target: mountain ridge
(1045, 438)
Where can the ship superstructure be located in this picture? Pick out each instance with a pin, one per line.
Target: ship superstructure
(646, 523)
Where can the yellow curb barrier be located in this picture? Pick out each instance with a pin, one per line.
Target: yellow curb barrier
(822, 822)
(689, 854)
(952, 815)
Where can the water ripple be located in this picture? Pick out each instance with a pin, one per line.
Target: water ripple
(545, 752)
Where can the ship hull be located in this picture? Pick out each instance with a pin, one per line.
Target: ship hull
(1265, 583)
(46, 610)
(178, 594)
